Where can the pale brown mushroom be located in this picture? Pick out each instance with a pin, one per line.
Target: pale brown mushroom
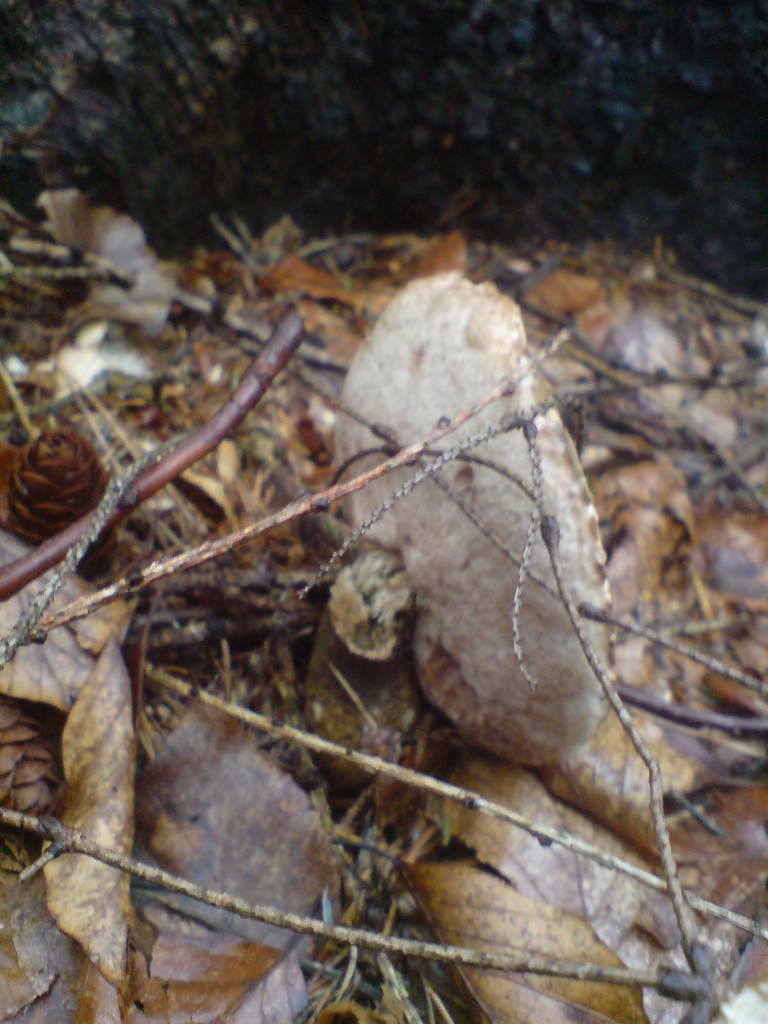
(439, 347)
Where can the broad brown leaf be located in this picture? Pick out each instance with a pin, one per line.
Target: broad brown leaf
(470, 907)
(90, 900)
(214, 809)
(200, 977)
(612, 904)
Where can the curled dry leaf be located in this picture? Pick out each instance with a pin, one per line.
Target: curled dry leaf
(439, 347)
(118, 239)
(90, 900)
(54, 672)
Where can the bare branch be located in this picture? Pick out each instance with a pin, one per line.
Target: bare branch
(675, 985)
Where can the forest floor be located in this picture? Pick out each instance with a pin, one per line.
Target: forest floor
(187, 833)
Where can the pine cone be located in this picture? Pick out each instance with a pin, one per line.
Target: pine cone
(29, 776)
(56, 479)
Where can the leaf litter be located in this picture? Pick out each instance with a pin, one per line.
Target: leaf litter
(663, 377)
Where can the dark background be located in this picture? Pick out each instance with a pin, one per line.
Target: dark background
(515, 120)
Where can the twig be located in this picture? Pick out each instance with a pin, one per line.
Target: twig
(257, 379)
(318, 502)
(675, 985)
(692, 718)
(550, 532)
(529, 430)
(467, 798)
(597, 615)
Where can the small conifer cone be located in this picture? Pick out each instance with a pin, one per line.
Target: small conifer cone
(55, 480)
(29, 776)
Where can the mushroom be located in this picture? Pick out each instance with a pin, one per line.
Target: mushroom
(439, 347)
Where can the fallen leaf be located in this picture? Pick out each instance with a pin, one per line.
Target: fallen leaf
(612, 904)
(471, 907)
(39, 965)
(563, 292)
(119, 240)
(642, 341)
(443, 253)
(197, 977)
(293, 274)
(732, 555)
(647, 521)
(98, 1002)
(214, 809)
(729, 868)
(18, 986)
(55, 671)
(90, 900)
(609, 781)
(279, 997)
(339, 338)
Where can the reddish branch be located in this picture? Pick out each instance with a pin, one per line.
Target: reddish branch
(256, 381)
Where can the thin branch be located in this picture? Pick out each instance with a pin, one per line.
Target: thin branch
(692, 718)
(550, 532)
(597, 615)
(318, 502)
(673, 984)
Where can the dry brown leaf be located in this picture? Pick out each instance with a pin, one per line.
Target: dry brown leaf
(471, 907)
(443, 253)
(119, 240)
(19, 986)
(90, 900)
(199, 978)
(33, 949)
(340, 338)
(98, 1002)
(608, 781)
(612, 904)
(214, 809)
(296, 275)
(277, 998)
(635, 923)
(563, 292)
(732, 554)
(55, 671)
(729, 869)
(645, 509)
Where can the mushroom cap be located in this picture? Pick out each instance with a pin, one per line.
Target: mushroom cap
(438, 348)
